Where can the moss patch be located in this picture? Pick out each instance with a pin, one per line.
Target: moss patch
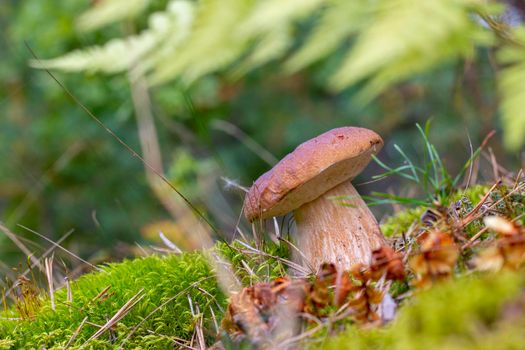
(162, 278)
(251, 267)
(464, 314)
(400, 222)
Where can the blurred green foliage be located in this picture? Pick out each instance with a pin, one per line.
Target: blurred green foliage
(379, 43)
(59, 170)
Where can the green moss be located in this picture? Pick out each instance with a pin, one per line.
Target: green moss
(261, 268)
(473, 194)
(463, 314)
(400, 222)
(161, 277)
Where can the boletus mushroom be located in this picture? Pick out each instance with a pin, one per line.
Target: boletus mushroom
(306, 182)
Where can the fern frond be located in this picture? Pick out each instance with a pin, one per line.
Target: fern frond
(270, 46)
(512, 90)
(121, 54)
(115, 56)
(228, 29)
(407, 37)
(270, 14)
(338, 22)
(214, 42)
(182, 13)
(110, 11)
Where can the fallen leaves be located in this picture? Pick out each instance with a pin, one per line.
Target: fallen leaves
(385, 261)
(255, 311)
(436, 259)
(508, 251)
(366, 297)
(448, 241)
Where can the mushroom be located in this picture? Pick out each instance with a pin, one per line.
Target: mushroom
(306, 182)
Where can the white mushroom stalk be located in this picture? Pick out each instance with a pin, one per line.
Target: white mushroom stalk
(306, 180)
(331, 232)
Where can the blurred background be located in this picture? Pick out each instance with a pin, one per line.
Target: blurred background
(213, 93)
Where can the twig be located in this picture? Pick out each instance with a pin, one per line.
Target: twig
(477, 235)
(517, 188)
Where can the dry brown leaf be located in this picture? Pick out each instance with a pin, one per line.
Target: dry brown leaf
(436, 259)
(385, 261)
(506, 252)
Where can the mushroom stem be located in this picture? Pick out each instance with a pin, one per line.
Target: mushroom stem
(333, 233)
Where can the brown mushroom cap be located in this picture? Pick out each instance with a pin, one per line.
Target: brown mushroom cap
(312, 169)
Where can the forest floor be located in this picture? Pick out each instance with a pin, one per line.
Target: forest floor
(449, 276)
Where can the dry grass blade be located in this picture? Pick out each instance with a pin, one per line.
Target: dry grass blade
(212, 297)
(158, 308)
(48, 263)
(123, 311)
(69, 154)
(169, 243)
(248, 269)
(474, 238)
(233, 184)
(276, 228)
(291, 264)
(60, 247)
(20, 245)
(473, 214)
(46, 253)
(75, 333)
(214, 318)
(310, 269)
(302, 336)
(100, 294)
(493, 205)
(250, 143)
(199, 328)
(494, 164)
(69, 294)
